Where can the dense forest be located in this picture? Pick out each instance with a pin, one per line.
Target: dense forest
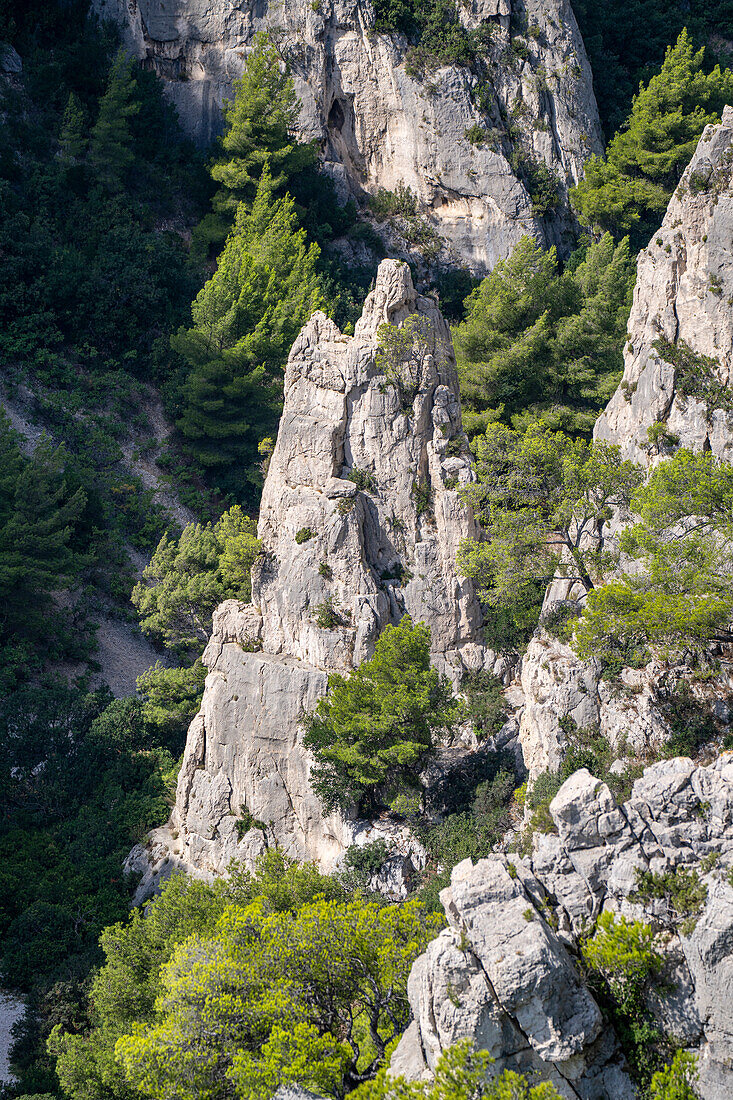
(144, 279)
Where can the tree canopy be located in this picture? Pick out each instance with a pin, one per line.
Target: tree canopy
(245, 320)
(240, 987)
(462, 1073)
(376, 725)
(538, 341)
(678, 594)
(188, 577)
(259, 135)
(628, 192)
(544, 500)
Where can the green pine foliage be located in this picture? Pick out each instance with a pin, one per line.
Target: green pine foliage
(245, 320)
(538, 341)
(111, 154)
(188, 577)
(221, 990)
(681, 598)
(543, 498)
(628, 192)
(462, 1073)
(260, 122)
(376, 726)
(626, 40)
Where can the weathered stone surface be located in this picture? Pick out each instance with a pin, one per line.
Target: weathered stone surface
(376, 125)
(683, 289)
(501, 975)
(375, 553)
(683, 293)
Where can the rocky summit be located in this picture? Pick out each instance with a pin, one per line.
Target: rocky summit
(505, 972)
(360, 524)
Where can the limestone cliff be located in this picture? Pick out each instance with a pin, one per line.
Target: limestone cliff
(377, 125)
(683, 296)
(682, 305)
(505, 972)
(360, 524)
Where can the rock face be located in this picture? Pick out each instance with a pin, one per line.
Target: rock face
(683, 293)
(504, 974)
(377, 125)
(683, 296)
(360, 523)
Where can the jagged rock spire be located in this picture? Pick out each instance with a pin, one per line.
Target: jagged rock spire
(360, 524)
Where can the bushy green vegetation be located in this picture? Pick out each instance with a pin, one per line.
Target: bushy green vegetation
(626, 40)
(462, 1073)
(540, 341)
(628, 192)
(375, 726)
(188, 577)
(222, 990)
(434, 30)
(543, 498)
(682, 598)
(82, 778)
(625, 963)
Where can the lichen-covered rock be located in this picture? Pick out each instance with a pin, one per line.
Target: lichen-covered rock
(379, 126)
(360, 523)
(503, 973)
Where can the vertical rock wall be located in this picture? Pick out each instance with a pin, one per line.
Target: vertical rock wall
(377, 125)
(683, 297)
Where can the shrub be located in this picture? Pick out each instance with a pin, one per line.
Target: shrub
(475, 134)
(677, 1080)
(376, 726)
(362, 862)
(696, 375)
(623, 951)
(326, 616)
(401, 202)
(682, 891)
(363, 479)
(485, 703)
(305, 534)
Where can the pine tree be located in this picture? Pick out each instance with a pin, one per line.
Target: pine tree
(630, 190)
(74, 135)
(37, 515)
(110, 150)
(260, 124)
(245, 320)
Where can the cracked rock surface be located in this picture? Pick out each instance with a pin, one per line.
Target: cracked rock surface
(368, 555)
(505, 971)
(683, 295)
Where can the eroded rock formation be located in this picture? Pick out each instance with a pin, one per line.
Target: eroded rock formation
(504, 972)
(378, 126)
(682, 300)
(360, 523)
(683, 295)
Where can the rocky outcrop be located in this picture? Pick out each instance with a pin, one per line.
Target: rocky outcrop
(683, 295)
(682, 304)
(504, 972)
(360, 523)
(378, 124)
